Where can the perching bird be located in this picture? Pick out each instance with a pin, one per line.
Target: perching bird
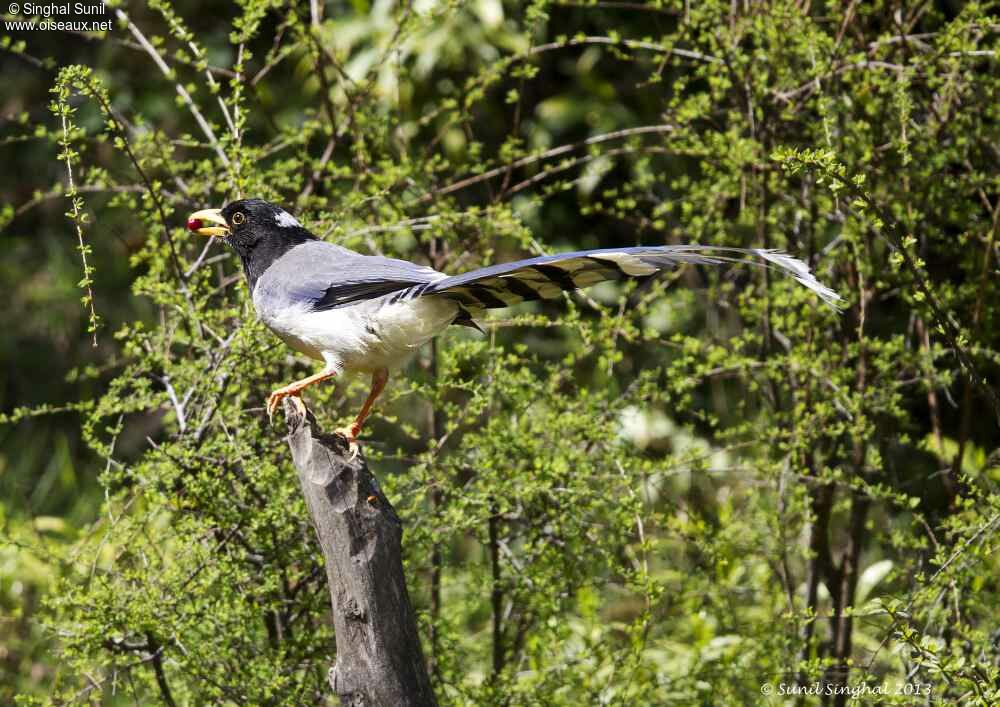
(367, 313)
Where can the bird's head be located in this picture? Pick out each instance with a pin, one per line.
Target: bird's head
(250, 225)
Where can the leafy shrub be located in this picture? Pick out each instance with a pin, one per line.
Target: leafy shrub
(671, 492)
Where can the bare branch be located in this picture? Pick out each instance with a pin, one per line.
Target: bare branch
(628, 43)
(185, 96)
(547, 154)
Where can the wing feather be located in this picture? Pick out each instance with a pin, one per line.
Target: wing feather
(546, 276)
(323, 276)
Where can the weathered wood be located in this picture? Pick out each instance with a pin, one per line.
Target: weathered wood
(379, 658)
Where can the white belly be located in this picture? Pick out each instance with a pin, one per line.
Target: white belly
(363, 337)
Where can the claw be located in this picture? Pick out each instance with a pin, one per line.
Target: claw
(274, 400)
(295, 390)
(350, 433)
(272, 405)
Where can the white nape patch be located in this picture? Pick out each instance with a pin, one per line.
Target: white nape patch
(286, 220)
(630, 264)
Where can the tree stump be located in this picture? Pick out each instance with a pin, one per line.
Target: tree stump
(379, 657)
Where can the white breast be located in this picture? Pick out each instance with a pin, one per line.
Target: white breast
(402, 327)
(362, 337)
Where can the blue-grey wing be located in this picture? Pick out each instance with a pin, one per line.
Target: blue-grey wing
(322, 276)
(546, 276)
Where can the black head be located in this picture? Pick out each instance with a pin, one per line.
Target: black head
(257, 230)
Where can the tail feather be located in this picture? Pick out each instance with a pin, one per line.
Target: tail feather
(547, 276)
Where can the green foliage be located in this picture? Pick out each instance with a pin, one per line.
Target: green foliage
(673, 492)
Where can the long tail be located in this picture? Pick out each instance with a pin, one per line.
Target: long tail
(547, 276)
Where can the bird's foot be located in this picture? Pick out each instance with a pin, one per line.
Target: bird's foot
(289, 391)
(350, 433)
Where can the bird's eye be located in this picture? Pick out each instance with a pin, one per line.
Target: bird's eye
(239, 218)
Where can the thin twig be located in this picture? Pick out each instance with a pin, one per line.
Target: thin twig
(583, 159)
(977, 311)
(82, 189)
(161, 677)
(628, 43)
(182, 92)
(948, 328)
(547, 154)
(605, 4)
(813, 84)
(178, 406)
(153, 194)
(77, 221)
(273, 57)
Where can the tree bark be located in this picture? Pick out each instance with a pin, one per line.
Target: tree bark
(379, 658)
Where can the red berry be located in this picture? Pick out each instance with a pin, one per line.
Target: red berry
(194, 224)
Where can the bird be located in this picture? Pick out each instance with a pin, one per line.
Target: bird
(368, 313)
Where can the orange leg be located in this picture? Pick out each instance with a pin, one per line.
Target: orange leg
(295, 390)
(379, 378)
